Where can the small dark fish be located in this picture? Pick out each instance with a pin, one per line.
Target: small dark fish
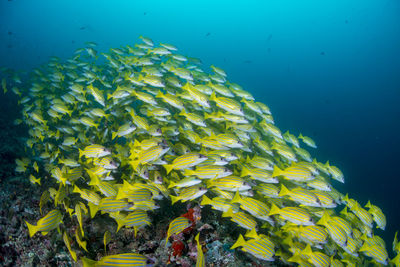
(145, 13)
(208, 34)
(10, 46)
(10, 33)
(322, 53)
(247, 61)
(82, 28)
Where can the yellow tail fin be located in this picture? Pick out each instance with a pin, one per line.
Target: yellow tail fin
(168, 167)
(32, 229)
(276, 172)
(205, 201)
(239, 243)
(284, 191)
(274, 210)
(237, 198)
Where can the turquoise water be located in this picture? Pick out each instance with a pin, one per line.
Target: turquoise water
(328, 69)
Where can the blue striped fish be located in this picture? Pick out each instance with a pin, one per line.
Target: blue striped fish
(94, 151)
(295, 215)
(242, 219)
(67, 242)
(176, 226)
(318, 259)
(377, 215)
(49, 222)
(260, 247)
(120, 260)
(294, 173)
(135, 219)
(185, 161)
(200, 261)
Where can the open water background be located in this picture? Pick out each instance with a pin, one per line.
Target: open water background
(328, 69)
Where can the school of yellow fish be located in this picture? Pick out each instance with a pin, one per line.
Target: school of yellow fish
(116, 132)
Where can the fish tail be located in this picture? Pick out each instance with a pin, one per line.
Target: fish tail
(274, 210)
(134, 164)
(93, 209)
(228, 213)
(324, 219)
(276, 172)
(80, 153)
(120, 223)
(76, 190)
(174, 199)
(252, 233)
(171, 184)
(88, 263)
(239, 243)
(32, 229)
(205, 201)
(284, 191)
(245, 172)
(120, 194)
(236, 198)
(136, 143)
(307, 251)
(168, 168)
(296, 258)
(159, 94)
(183, 112)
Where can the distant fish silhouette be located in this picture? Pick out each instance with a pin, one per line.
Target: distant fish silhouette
(208, 34)
(145, 13)
(10, 46)
(346, 21)
(10, 33)
(86, 27)
(247, 61)
(322, 53)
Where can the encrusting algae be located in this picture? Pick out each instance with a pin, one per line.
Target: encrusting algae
(116, 132)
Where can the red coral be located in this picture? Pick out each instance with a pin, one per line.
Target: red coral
(193, 214)
(189, 215)
(178, 247)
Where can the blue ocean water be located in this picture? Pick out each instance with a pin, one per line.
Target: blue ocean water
(327, 69)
